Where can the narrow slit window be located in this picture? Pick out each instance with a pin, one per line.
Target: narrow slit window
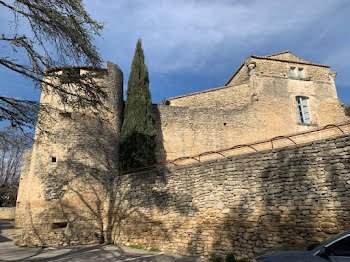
(292, 71)
(301, 72)
(66, 114)
(60, 225)
(53, 159)
(303, 110)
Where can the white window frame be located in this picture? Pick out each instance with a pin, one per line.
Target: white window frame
(301, 72)
(297, 72)
(303, 110)
(292, 72)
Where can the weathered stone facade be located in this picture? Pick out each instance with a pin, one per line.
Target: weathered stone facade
(75, 155)
(260, 98)
(71, 193)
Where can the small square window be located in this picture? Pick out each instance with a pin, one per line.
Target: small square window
(53, 159)
(292, 72)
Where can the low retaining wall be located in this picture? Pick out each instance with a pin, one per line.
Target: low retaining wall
(246, 204)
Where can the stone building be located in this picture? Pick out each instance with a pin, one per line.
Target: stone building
(70, 193)
(267, 96)
(75, 154)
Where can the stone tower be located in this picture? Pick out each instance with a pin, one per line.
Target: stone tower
(66, 177)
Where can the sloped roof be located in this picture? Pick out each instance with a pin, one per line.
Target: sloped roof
(287, 56)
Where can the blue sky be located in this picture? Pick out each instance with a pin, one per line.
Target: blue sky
(194, 45)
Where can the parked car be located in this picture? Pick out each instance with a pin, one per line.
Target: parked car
(335, 250)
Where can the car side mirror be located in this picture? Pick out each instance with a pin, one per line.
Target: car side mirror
(323, 252)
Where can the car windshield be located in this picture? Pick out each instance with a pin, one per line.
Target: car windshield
(329, 239)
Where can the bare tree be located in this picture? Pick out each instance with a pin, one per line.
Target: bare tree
(60, 33)
(12, 146)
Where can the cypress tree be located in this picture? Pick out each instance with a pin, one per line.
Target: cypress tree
(137, 145)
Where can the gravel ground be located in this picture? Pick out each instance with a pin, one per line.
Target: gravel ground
(10, 252)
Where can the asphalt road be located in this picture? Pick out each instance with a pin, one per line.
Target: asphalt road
(10, 252)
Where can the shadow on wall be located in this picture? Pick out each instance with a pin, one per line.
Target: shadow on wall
(297, 197)
(244, 204)
(347, 110)
(161, 154)
(86, 201)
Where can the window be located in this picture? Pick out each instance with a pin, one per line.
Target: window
(297, 72)
(303, 110)
(301, 72)
(53, 159)
(340, 248)
(59, 225)
(66, 114)
(292, 72)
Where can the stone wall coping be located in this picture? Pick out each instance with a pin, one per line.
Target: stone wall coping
(292, 62)
(244, 156)
(203, 91)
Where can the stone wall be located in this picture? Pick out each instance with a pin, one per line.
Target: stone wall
(241, 76)
(74, 155)
(246, 204)
(233, 97)
(282, 68)
(262, 108)
(24, 188)
(7, 213)
(187, 131)
(184, 131)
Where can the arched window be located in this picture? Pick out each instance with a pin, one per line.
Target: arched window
(303, 110)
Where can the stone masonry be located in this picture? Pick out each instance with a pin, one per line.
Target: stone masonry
(260, 98)
(71, 192)
(247, 204)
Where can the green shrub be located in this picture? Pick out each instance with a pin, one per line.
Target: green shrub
(153, 249)
(230, 258)
(136, 246)
(217, 259)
